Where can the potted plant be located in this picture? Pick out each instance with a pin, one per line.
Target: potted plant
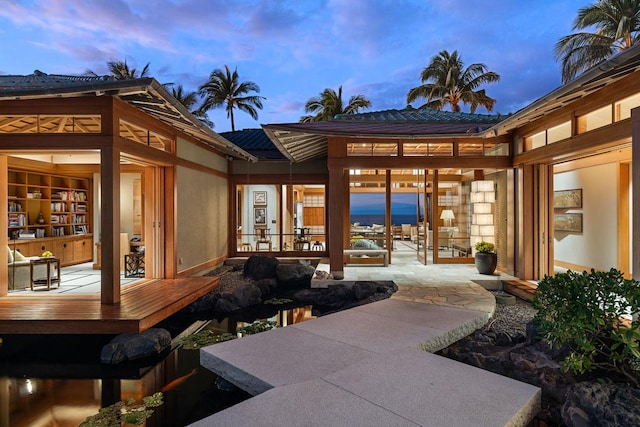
(486, 259)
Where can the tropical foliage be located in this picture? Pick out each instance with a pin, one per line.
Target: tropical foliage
(585, 312)
(445, 81)
(616, 25)
(120, 71)
(189, 100)
(329, 104)
(225, 89)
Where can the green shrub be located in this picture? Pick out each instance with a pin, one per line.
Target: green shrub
(484, 247)
(583, 311)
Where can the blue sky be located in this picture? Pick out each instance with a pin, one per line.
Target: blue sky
(293, 49)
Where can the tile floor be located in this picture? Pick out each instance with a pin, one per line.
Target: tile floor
(76, 279)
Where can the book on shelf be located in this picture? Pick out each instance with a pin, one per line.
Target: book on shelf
(15, 207)
(80, 229)
(17, 220)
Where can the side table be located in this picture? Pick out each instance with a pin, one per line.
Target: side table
(48, 280)
(134, 265)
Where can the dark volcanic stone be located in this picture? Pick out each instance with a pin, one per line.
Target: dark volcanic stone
(294, 275)
(260, 267)
(593, 403)
(136, 346)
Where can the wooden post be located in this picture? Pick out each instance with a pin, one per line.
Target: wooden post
(336, 222)
(110, 224)
(635, 208)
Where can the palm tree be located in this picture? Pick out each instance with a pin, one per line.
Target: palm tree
(223, 88)
(446, 81)
(189, 100)
(120, 71)
(617, 27)
(329, 104)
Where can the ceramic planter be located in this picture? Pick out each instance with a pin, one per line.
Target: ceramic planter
(486, 262)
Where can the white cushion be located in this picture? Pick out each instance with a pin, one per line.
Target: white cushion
(10, 255)
(19, 257)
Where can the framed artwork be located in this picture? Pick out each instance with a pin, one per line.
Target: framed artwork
(260, 216)
(567, 199)
(260, 198)
(569, 222)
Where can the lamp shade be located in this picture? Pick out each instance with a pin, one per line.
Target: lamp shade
(447, 214)
(481, 186)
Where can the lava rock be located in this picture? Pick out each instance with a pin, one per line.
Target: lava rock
(594, 403)
(333, 296)
(224, 306)
(135, 346)
(247, 295)
(260, 267)
(363, 290)
(294, 275)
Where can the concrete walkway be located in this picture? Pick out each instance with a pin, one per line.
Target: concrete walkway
(372, 365)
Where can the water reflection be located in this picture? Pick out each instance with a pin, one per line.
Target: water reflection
(60, 382)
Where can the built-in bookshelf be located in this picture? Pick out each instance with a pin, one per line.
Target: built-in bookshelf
(46, 205)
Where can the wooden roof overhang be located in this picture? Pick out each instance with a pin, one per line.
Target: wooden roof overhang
(144, 94)
(304, 141)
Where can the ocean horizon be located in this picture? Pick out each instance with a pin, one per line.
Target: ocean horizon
(370, 219)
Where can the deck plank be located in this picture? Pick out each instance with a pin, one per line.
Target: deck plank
(140, 308)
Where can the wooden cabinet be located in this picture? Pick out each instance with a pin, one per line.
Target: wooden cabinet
(69, 249)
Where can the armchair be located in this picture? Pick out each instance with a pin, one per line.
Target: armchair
(19, 270)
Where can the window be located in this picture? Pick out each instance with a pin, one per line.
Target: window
(595, 119)
(536, 140)
(559, 132)
(144, 136)
(372, 149)
(37, 123)
(623, 108)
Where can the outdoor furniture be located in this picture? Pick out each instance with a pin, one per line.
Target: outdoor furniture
(370, 253)
(134, 265)
(49, 278)
(406, 232)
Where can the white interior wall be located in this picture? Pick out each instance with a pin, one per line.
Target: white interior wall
(596, 246)
(126, 202)
(248, 223)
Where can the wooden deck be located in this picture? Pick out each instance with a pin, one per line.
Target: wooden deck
(141, 307)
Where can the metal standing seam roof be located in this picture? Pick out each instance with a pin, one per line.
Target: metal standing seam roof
(422, 115)
(256, 142)
(145, 94)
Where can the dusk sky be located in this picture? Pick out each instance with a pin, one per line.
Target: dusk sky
(294, 49)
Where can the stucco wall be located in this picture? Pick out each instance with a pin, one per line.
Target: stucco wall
(596, 246)
(194, 153)
(202, 208)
